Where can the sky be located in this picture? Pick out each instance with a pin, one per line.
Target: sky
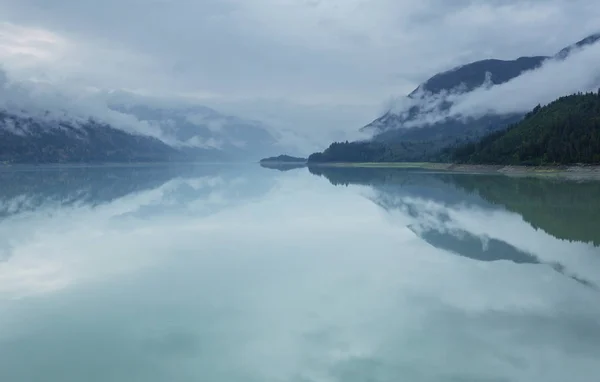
(319, 67)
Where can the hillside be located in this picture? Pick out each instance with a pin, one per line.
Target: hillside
(121, 127)
(200, 126)
(31, 140)
(435, 97)
(29, 134)
(567, 131)
(401, 136)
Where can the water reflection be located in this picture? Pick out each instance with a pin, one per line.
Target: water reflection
(31, 188)
(234, 273)
(466, 214)
(64, 224)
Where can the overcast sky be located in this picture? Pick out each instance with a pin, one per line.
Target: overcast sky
(312, 65)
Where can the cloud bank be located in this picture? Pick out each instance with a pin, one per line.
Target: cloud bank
(330, 62)
(44, 101)
(579, 72)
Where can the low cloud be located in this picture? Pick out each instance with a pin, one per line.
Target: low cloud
(330, 63)
(579, 72)
(52, 102)
(40, 100)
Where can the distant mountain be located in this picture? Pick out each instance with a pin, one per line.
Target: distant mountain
(567, 131)
(406, 125)
(34, 134)
(203, 127)
(28, 139)
(471, 76)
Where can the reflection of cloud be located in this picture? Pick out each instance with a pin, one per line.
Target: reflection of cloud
(458, 227)
(56, 245)
(308, 283)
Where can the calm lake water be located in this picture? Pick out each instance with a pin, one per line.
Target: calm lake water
(238, 273)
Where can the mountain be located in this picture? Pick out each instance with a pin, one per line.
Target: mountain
(203, 127)
(395, 127)
(410, 125)
(592, 39)
(31, 139)
(418, 131)
(30, 133)
(566, 131)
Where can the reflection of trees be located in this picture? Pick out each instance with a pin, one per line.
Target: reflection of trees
(282, 166)
(27, 188)
(567, 210)
(557, 207)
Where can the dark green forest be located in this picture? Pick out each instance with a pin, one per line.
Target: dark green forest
(372, 151)
(566, 131)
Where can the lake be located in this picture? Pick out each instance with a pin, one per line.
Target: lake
(239, 273)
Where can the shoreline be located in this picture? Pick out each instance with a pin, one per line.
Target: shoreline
(574, 172)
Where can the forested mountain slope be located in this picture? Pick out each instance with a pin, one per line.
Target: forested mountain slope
(567, 131)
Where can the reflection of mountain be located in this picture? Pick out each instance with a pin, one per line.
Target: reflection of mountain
(471, 246)
(415, 182)
(451, 211)
(29, 188)
(206, 194)
(466, 244)
(567, 210)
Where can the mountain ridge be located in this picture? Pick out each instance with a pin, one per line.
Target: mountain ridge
(399, 138)
(37, 133)
(394, 127)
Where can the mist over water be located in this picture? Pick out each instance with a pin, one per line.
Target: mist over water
(238, 273)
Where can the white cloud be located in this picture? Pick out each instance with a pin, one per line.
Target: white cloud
(334, 62)
(44, 100)
(579, 72)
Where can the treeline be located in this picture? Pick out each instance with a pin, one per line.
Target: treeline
(566, 131)
(372, 151)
